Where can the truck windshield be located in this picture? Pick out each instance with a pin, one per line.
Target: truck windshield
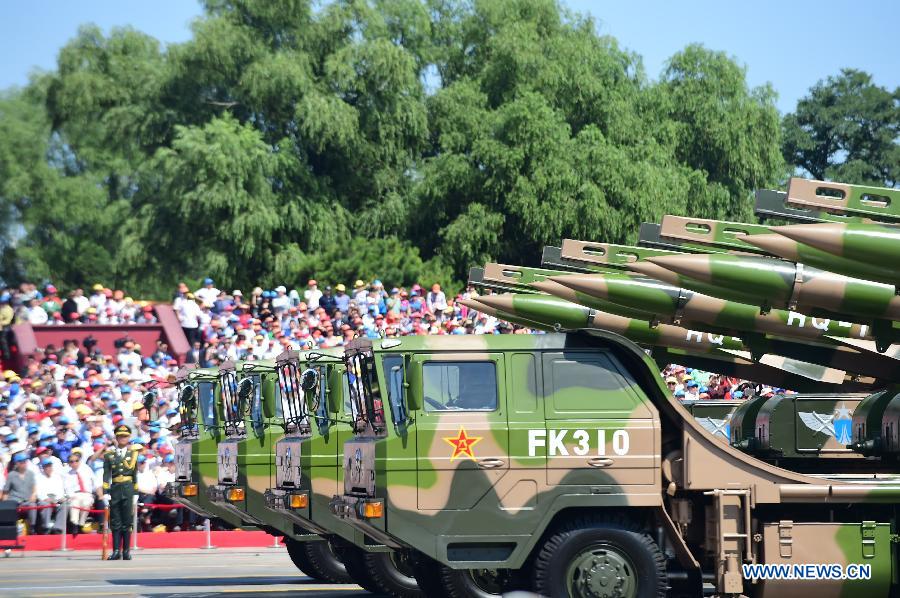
(234, 419)
(366, 405)
(256, 411)
(293, 406)
(207, 405)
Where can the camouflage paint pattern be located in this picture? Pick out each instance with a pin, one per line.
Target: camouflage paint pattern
(666, 303)
(558, 314)
(870, 244)
(873, 202)
(773, 283)
(477, 488)
(788, 249)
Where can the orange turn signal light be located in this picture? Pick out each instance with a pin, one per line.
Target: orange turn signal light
(373, 510)
(235, 494)
(299, 501)
(189, 490)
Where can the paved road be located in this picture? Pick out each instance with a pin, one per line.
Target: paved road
(232, 573)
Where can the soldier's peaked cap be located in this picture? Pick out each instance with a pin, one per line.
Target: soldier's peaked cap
(123, 430)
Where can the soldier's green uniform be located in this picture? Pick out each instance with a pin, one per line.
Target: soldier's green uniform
(119, 475)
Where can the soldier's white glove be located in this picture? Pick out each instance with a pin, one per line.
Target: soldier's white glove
(106, 498)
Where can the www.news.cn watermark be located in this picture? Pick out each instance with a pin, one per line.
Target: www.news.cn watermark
(807, 571)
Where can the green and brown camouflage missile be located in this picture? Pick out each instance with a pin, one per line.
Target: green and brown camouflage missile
(788, 249)
(713, 315)
(522, 279)
(780, 284)
(554, 313)
(877, 203)
(865, 246)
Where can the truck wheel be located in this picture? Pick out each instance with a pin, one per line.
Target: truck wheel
(475, 583)
(393, 574)
(325, 562)
(596, 559)
(428, 574)
(353, 558)
(297, 552)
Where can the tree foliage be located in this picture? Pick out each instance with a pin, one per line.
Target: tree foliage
(406, 139)
(847, 129)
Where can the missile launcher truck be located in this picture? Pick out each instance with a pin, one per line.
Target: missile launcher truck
(560, 463)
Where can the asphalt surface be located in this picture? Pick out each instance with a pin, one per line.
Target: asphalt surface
(235, 573)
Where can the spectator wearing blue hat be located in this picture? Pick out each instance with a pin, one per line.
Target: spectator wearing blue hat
(51, 492)
(690, 390)
(208, 293)
(65, 441)
(21, 486)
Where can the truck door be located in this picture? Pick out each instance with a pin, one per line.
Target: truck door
(462, 433)
(600, 427)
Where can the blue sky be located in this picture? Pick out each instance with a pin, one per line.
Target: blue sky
(790, 43)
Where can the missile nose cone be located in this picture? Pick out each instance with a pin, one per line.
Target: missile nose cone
(774, 244)
(547, 286)
(589, 284)
(497, 302)
(827, 236)
(470, 303)
(653, 271)
(693, 266)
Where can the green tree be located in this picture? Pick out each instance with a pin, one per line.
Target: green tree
(285, 135)
(846, 129)
(544, 129)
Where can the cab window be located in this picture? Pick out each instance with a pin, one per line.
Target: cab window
(256, 408)
(460, 385)
(279, 405)
(207, 404)
(393, 371)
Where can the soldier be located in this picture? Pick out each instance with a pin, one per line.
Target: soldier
(119, 474)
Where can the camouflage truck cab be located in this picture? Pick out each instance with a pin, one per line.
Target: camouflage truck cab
(561, 462)
(313, 417)
(195, 453)
(243, 456)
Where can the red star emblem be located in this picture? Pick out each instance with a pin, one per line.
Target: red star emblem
(462, 444)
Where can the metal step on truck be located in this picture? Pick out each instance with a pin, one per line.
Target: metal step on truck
(560, 464)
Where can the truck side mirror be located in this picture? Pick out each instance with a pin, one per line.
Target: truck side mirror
(187, 396)
(414, 384)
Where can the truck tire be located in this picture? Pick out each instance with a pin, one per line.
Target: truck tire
(297, 552)
(392, 574)
(475, 583)
(588, 558)
(326, 564)
(428, 574)
(353, 558)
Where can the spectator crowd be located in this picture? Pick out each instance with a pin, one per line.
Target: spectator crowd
(57, 416)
